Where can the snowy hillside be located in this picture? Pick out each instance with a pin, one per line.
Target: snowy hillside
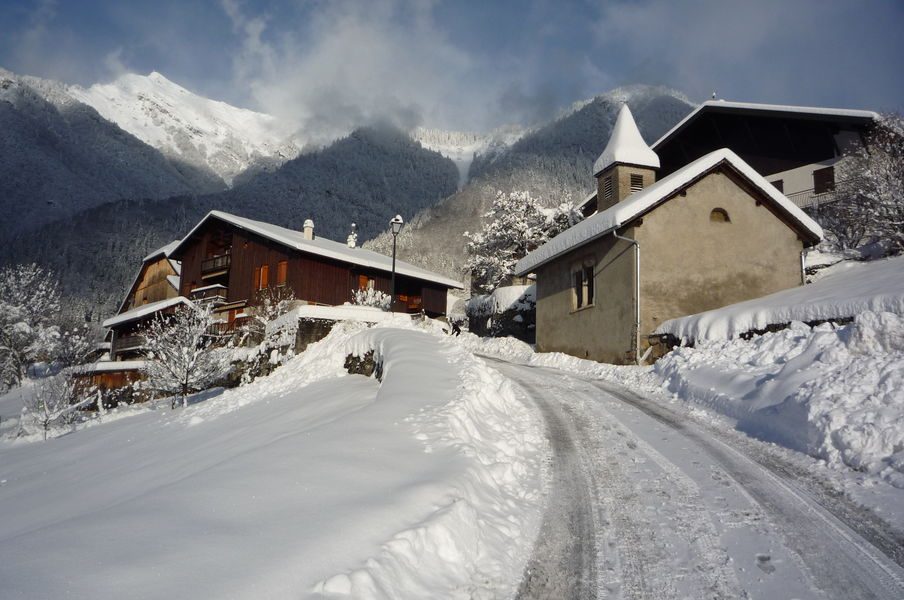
(463, 146)
(59, 156)
(181, 124)
(309, 483)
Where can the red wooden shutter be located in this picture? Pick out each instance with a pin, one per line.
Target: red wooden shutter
(265, 276)
(256, 280)
(281, 271)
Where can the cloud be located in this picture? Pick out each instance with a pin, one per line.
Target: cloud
(355, 63)
(808, 51)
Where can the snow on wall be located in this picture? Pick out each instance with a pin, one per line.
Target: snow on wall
(503, 298)
(877, 286)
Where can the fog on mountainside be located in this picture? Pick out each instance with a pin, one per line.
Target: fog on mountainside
(553, 163)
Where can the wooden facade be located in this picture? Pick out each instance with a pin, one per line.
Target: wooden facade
(243, 262)
(152, 284)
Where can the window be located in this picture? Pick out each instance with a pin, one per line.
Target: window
(582, 280)
(365, 282)
(282, 270)
(779, 185)
(719, 215)
(256, 279)
(607, 187)
(636, 182)
(265, 276)
(823, 180)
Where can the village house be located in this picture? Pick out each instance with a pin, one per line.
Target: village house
(795, 148)
(710, 233)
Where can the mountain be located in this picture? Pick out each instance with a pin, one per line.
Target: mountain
(463, 146)
(553, 162)
(189, 128)
(366, 177)
(58, 156)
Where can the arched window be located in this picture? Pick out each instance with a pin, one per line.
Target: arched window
(719, 215)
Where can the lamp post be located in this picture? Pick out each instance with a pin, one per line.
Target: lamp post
(396, 225)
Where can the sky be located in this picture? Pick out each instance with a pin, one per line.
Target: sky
(466, 64)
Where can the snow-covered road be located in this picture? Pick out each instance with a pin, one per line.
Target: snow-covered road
(649, 502)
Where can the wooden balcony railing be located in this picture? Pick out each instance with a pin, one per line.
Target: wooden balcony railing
(124, 343)
(216, 263)
(214, 294)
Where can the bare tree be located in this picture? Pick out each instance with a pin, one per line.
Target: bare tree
(268, 304)
(180, 357)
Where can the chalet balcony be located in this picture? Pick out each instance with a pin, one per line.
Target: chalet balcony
(809, 198)
(125, 343)
(216, 265)
(211, 294)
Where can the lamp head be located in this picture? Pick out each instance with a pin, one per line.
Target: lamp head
(396, 224)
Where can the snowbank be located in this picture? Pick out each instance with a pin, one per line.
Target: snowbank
(837, 394)
(851, 289)
(305, 483)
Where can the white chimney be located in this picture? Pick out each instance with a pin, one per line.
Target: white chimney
(309, 229)
(353, 237)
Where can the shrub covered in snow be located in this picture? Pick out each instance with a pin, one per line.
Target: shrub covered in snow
(371, 297)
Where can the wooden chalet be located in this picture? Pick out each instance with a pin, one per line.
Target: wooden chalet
(228, 260)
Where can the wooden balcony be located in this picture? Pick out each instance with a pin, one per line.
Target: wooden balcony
(216, 265)
(213, 294)
(125, 343)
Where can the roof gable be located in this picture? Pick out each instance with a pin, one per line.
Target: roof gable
(641, 202)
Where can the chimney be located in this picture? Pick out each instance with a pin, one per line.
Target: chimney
(309, 229)
(353, 237)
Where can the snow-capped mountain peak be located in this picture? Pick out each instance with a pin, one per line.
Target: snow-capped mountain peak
(187, 127)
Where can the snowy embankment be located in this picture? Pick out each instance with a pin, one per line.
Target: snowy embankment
(835, 393)
(309, 482)
(850, 290)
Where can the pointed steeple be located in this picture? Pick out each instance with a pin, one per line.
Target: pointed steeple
(626, 146)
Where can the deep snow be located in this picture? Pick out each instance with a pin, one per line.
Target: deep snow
(304, 483)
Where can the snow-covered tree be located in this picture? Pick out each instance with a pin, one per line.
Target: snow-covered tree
(29, 304)
(515, 224)
(872, 182)
(371, 297)
(268, 304)
(181, 359)
(74, 343)
(54, 402)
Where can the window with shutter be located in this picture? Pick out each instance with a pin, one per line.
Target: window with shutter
(256, 279)
(265, 276)
(823, 180)
(282, 270)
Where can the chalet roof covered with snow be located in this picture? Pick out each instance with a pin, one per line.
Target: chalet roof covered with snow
(639, 203)
(144, 310)
(164, 250)
(626, 146)
(767, 110)
(326, 248)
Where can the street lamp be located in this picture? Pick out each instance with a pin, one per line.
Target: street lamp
(396, 225)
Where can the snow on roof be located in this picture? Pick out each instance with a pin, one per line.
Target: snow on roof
(105, 366)
(626, 145)
(640, 202)
(876, 287)
(144, 310)
(587, 199)
(164, 250)
(767, 108)
(173, 280)
(327, 248)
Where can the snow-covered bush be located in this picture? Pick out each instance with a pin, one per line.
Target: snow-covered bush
(29, 303)
(516, 224)
(371, 297)
(55, 402)
(181, 359)
(268, 305)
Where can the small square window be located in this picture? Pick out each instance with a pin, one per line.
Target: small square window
(823, 180)
(582, 282)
